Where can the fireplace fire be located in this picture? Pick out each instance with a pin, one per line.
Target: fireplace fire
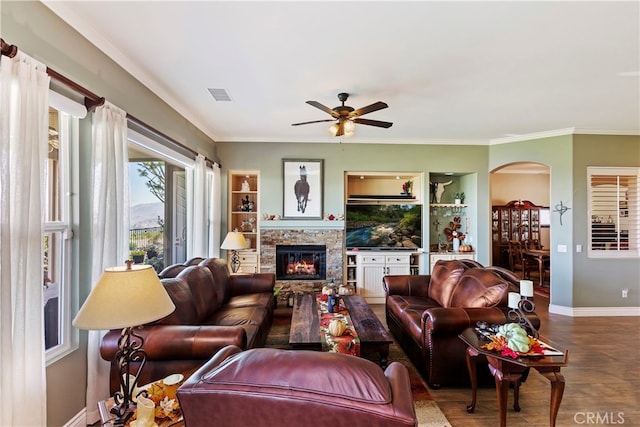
(301, 262)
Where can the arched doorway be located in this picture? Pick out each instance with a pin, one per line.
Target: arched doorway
(520, 185)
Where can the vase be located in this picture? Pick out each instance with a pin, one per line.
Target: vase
(145, 413)
(456, 244)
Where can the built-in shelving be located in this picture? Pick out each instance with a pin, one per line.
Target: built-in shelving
(243, 208)
(382, 187)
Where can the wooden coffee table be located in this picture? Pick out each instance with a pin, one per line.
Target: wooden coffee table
(305, 326)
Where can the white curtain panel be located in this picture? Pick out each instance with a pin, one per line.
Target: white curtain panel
(109, 228)
(197, 205)
(215, 210)
(24, 121)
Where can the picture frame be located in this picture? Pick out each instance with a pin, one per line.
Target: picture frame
(545, 217)
(302, 188)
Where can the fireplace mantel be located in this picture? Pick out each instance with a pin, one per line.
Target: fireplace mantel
(301, 224)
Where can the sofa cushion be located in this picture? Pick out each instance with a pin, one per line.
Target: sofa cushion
(220, 272)
(171, 271)
(203, 290)
(251, 319)
(263, 299)
(322, 375)
(479, 288)
(444, 276)
(180, 293)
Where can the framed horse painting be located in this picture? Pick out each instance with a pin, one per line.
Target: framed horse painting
(302, 188)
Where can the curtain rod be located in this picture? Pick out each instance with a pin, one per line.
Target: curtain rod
(91, 100)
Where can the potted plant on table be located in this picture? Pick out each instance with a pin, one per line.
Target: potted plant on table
(137, 255)
(458, 198)
(152, 252)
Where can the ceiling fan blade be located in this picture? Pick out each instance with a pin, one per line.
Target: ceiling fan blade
(323, 108)
(376, 123)
(340, 128)
(368, 109)
(313, 121)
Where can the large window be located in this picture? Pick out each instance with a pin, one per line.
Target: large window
(57, 237)
(614, 210)
(157, 204)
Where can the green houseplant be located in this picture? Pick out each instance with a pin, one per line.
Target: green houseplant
(137, 255)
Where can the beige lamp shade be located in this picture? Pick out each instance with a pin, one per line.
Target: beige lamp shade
(234, 240)
(124, 296)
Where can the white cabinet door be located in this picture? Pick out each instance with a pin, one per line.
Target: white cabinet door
(398, 264)
(373, 270)
(248, 263)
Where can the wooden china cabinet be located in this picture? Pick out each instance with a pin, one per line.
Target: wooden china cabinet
(518, 220)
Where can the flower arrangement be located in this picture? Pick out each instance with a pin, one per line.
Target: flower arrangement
(452, 230)
(165, 407)
(407, 187)
(512, 340)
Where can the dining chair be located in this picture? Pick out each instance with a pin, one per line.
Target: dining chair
(520, 262)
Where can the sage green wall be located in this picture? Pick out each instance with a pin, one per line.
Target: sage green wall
(599, 282)
(554, 152)
(338, 158)
(578, 281)
(38, 32)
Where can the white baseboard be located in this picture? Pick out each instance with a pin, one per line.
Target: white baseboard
(79, 420)
(594, 311)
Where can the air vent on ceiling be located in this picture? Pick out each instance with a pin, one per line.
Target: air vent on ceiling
(220, 94)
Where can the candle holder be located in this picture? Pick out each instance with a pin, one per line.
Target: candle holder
(517, 314)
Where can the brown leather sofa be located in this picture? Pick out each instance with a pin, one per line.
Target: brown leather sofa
(213, 310)
(267, 387)
(426, 313)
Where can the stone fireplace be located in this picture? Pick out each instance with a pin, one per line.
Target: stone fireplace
(288, 233)
(301, 262)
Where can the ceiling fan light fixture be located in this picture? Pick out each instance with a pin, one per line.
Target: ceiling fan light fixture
(349, 127)
(345, 117)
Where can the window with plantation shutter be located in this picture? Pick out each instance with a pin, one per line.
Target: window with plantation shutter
(614, 209)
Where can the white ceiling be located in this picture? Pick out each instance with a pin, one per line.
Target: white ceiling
(452, 72)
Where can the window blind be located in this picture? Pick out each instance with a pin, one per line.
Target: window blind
(614, 209)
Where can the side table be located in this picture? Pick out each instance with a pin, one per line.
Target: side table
(106, 418)
(507, 370)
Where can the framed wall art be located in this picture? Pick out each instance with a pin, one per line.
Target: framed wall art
(302, 189)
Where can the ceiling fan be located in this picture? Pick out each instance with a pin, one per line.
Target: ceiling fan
(346, 117)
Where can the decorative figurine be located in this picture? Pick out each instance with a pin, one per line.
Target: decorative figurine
(247, 205)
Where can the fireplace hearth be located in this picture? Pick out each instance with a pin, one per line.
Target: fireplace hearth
(301, 262)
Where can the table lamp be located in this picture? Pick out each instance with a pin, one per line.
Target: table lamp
(234, 241)
(125, 297)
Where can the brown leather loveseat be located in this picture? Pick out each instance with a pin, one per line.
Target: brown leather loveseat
(267, 387)
(213, 310)
(426, 313)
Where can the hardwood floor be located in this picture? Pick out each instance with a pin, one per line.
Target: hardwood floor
(602, 379)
